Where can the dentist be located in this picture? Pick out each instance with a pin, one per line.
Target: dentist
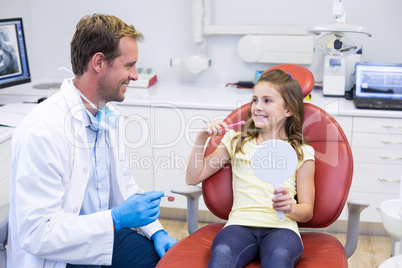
(72, 198)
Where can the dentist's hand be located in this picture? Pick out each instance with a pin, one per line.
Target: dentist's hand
(162, 242)
(137, 210)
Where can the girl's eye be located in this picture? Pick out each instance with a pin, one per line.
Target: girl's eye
(254, 100)
(267, 100)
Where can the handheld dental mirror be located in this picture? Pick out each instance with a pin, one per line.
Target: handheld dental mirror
(273, 162)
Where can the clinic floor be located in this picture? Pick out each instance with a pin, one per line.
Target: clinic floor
(371, 250)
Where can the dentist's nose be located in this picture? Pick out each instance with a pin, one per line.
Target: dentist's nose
(133, 74)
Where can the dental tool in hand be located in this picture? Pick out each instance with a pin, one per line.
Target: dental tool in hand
(170, 198)
(239, 123)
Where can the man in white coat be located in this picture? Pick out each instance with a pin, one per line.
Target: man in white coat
(73, 202)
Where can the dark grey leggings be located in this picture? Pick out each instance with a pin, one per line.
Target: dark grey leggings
(237, 246)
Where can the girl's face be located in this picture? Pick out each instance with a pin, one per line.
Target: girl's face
(268, 107)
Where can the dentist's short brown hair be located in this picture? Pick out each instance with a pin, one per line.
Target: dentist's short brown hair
(98, 33)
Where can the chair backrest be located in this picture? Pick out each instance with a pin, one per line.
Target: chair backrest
(333, 160)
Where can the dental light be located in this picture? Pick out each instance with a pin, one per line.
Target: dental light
(340, 51)
(333, 42)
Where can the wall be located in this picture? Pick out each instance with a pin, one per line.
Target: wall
(166, 24)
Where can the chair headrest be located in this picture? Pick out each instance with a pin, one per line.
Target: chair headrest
(301, 74)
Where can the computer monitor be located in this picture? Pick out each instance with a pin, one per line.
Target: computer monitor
(14, 68)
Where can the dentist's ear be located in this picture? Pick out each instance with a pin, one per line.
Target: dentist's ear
(97, 61)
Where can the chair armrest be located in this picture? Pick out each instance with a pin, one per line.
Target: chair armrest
(355, 207)
(192, 193)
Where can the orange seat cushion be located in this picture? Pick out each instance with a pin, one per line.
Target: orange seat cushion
(320, 250)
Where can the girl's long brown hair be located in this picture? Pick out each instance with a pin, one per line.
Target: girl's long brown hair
(293, 98)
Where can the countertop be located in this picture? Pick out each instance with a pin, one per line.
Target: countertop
(216, 97)
(229, 98)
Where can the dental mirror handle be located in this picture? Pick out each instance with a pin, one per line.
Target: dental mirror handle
(279, 214)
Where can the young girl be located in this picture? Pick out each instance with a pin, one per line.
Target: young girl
(253, 230)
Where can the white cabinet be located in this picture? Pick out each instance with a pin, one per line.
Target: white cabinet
(159, 140)
(346, 123)
(377, 151)
(174, 135)
(377, 155)
(137, 138)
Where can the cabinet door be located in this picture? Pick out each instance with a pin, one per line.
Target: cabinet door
(346, 123)
(377, 125)
(377, 156)
(377, 152)
(172, 139)
(373, 212)
(376, 178)
(136, 136)
(377, 140)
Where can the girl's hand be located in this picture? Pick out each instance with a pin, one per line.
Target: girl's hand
(214, 129)
(282, 200)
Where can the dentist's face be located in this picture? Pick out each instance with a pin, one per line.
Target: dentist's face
(116, 76)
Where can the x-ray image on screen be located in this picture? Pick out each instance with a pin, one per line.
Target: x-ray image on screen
(10, 62)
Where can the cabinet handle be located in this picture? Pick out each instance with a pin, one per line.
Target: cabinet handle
(389, 126)
(392, 142)
(390, 158)
(387, 180)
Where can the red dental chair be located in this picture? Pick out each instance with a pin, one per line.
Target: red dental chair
(333, 177)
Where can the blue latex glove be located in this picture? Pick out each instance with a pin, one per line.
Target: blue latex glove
(162, 242)
(137, 210)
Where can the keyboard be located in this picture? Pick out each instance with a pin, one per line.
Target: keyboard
(378, 103)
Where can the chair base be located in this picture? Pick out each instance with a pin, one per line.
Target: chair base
(320, 250)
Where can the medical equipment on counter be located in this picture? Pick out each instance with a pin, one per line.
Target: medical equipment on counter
(339, 74)
(339, 49)
(378, 86)
(194, 64)
(145, 78)
(14, 67)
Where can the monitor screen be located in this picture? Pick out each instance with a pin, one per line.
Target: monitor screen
(379, 80)
(14, 68)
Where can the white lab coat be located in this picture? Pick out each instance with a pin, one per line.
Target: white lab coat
(50, 170)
